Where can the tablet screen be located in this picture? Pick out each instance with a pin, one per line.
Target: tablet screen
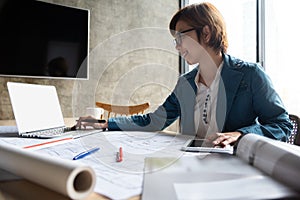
(200, 143)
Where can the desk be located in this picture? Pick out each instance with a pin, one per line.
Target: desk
(16, 190)
(113, 178)
(140, 145)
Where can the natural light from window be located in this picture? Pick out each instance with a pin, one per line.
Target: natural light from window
(282, 50)
(282, 41)
(240, 18)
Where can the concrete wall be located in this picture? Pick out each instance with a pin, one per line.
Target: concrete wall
(132, 59)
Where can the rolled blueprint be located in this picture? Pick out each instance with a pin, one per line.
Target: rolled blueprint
(63, 176)
(278, 159)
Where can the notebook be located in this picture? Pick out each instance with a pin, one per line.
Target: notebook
(38, 113)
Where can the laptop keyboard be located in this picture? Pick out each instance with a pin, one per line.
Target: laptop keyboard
(46, 133)
(63, 131)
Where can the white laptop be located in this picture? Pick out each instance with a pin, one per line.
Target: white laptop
(37, 111)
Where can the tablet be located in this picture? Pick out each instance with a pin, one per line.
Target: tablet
(203, 145)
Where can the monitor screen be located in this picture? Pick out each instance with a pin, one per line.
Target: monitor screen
(40, 39)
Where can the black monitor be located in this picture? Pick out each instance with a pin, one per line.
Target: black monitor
(39, 39)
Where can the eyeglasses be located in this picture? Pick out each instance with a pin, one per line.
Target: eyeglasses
(178, 36)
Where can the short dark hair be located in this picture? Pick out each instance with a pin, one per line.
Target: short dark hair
(202, 14)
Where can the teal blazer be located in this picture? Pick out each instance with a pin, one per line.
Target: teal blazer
(247, 102)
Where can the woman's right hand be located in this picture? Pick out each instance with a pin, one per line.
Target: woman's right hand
(83, 124)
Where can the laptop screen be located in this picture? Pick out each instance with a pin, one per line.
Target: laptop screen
(35, 107)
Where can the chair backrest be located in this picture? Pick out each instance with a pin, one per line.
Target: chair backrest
(295, 135)
(114, 110)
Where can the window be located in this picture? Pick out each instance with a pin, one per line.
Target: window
(280, 42)
(282, 50)
(240, 18)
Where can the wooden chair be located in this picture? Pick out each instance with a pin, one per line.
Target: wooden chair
(114, 110)
(295, 135)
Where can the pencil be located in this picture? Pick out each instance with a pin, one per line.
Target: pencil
(45, 143)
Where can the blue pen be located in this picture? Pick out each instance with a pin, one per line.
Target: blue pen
(85, 153)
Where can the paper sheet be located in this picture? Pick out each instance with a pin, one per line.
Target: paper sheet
(27, 142)
(213, 176)
(231, 189)
(13, 130)
(116, 180)
(119, 180)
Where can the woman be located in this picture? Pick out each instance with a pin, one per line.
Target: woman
(221, 99)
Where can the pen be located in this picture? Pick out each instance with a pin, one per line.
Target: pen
(48, 142)
(85, 153)
(120, 155)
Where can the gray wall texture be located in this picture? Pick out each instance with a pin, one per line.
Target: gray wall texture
(132, 59)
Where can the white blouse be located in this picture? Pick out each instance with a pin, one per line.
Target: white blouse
(205, 106)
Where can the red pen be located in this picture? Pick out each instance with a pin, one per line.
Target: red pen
(48, 142)
(120, 155)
